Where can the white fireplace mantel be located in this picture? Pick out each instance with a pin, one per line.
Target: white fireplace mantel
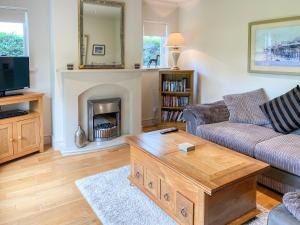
(71, 85)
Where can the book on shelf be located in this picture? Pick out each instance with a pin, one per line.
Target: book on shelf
(174, 101)
(172, 116)
(174, 85)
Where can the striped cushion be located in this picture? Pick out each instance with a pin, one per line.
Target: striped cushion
(284, 111)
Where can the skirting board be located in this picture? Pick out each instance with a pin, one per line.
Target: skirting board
(47, 140)
(150, 122)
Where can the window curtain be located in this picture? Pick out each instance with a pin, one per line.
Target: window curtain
(13, 15)
(155, 29)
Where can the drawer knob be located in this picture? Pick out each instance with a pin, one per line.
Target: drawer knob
(183, 212)
(11, 139)
(167, 197)
(138, 174)
(20, 138)
(150, 185)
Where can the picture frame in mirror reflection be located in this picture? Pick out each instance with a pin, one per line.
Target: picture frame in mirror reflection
(98, 50)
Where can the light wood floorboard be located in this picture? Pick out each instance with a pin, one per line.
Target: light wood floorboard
(40, 189)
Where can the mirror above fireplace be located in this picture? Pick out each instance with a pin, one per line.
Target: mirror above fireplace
(101, 34)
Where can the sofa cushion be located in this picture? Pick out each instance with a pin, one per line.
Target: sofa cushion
(297, 132)
(284, 111)
(291, 201)
(244, 108)
(238, 136)
(281, 216)
(282, 152)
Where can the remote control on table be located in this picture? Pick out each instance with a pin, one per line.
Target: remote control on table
(169, 130)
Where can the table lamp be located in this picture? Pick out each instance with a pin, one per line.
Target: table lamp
(175, 42)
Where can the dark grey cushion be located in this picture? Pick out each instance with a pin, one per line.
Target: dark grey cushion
(282, 152)
(284, 111)
(291, 201)
(238, 136)
(281, 216)
(244, 108)
(196, 115)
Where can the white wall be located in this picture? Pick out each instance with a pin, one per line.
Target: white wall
(167, 13)
(39, 51)
(150, 95)
(216, 33)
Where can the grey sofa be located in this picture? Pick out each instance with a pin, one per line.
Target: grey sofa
(281, 216)
(282, 152)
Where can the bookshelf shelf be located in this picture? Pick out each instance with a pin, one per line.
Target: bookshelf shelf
(176, 91)
(172, 108)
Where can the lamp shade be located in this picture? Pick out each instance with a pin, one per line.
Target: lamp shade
(175, 40)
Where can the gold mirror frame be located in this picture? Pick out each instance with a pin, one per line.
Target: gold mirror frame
(81, 35)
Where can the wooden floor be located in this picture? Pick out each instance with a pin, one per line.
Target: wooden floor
(40, 189)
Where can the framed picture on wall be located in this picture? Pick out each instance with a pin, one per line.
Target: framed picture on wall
(274, 46)
(98, 49)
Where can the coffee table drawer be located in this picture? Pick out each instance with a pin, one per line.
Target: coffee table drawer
(151, 182)
(184, 209)
(138, 173)
(167, 195)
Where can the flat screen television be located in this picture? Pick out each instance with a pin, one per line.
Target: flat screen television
(14, 74)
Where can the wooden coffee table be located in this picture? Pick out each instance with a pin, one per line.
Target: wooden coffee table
(211, 185)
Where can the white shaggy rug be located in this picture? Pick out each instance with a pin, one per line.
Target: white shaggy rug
(116, 202)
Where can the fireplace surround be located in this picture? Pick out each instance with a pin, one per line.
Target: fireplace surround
(74, 88)
(104, 119)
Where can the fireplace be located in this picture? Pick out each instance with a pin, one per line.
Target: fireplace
(104, 119)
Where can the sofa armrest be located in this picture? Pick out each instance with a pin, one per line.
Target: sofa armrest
(196, 115)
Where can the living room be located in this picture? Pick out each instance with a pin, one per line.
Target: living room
(86, 116)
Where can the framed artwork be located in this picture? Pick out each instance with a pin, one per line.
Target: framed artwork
(274, 46)
(99, 49)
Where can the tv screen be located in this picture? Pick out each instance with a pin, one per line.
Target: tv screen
(14, 73)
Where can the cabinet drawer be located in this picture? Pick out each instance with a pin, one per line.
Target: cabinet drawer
(138, 173)
(167, 195)
(151, 182)
(184, 209)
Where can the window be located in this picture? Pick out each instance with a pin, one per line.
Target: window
(13, 38)
(155, 53)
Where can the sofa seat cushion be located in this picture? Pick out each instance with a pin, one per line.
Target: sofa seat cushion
(281, 216)
(282, 152)
(237, 136)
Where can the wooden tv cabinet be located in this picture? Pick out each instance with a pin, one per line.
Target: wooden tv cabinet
(22, 135)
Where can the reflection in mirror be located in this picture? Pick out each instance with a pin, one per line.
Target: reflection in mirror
(101, 34)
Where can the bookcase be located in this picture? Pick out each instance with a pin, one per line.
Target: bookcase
(176, 90)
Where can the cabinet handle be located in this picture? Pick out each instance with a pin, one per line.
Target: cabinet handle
(11, 139)
(20, 138)
(138, 174)
(167, 197)
(150, 185)
(183, 212)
